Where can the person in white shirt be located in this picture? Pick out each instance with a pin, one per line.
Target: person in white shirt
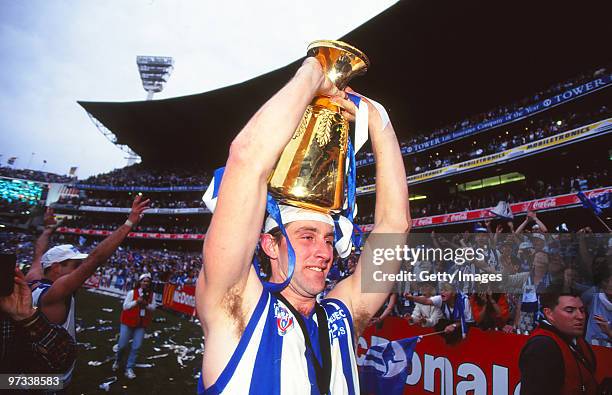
(424, 314)
(455, 307)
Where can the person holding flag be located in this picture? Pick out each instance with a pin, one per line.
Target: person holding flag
(274, 338)
(455, 306)
(597, 205)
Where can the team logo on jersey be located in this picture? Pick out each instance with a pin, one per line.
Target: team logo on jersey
(284, 320)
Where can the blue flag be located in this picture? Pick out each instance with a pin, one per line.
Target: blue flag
(386, 367)
(596, 204)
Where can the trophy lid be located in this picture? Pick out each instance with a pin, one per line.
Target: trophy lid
(340, 61)
(341, 45)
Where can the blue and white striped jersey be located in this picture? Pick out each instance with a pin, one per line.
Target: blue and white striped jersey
(42, 287)
(272, 358)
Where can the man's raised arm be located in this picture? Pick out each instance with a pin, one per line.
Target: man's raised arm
(42, 243)
(236, 224)
(391, 216)
(68, 284)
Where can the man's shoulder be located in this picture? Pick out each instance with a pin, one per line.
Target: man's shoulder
(543, 346)
(332, 305)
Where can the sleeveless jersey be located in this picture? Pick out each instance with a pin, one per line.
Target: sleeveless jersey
(272, 358)
(69, 324)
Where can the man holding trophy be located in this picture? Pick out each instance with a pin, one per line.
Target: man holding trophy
(274, 338)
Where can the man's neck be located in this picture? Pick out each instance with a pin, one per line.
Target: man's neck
(303, 305)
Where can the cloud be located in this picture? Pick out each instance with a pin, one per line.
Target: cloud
(55, 53)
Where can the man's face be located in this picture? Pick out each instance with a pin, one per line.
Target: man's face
(540, 261)
(481, 238)
(446, 295)
(538, 244)
(568, 316)
(313, 243)
(68, 266)
(145, 283)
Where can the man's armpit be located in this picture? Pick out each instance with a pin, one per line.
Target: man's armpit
(232, 304)
(361, 318)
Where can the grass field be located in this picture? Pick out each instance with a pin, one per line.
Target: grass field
(166, 377)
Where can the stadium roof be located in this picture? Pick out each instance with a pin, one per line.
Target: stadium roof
(432, 63)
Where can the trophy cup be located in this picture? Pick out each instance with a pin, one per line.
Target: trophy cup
(310, 171)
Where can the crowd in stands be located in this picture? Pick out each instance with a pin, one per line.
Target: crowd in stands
(529, 260)
(139, 175)
(166, 226)
(33, 175)
(20, 244)
(539, 129)
(127, 202)
(421, 137)
(515, 192)
(123, 267)
(127, 264)
(15, 207)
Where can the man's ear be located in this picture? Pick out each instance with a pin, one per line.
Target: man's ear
(547, 311)
(269, 245)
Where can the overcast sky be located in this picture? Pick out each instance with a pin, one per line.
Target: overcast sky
(53, 53)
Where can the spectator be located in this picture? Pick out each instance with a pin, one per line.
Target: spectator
(455, 306)
(556, 359)
(62, 270)
(490, 310)
(29, 343)
(598, 300)
(135, 318)
(426, 315)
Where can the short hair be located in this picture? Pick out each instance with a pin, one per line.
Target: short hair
(265, 266)
(550, 297)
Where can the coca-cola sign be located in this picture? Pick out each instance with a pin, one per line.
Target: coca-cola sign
(544, 204)
(423, 221)
(462, 216)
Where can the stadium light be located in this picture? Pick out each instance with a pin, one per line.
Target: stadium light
(154, 72)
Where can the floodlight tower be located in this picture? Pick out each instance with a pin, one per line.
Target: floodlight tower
(154, 72)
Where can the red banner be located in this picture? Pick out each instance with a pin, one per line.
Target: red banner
(550, 203)
(133, 235)
(181, 299)
(483, 363)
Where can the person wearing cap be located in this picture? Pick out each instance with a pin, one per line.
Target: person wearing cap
(64, 270)
(539, 241)
(538, 224)
(138, 306)
(262, 342)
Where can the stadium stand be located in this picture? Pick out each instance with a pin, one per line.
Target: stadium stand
(95, 206)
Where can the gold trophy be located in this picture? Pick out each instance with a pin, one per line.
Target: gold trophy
(310, 171)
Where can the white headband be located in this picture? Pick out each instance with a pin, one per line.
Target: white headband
(291, 214)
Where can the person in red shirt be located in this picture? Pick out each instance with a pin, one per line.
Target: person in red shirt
(135, 317)
(490, 310)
